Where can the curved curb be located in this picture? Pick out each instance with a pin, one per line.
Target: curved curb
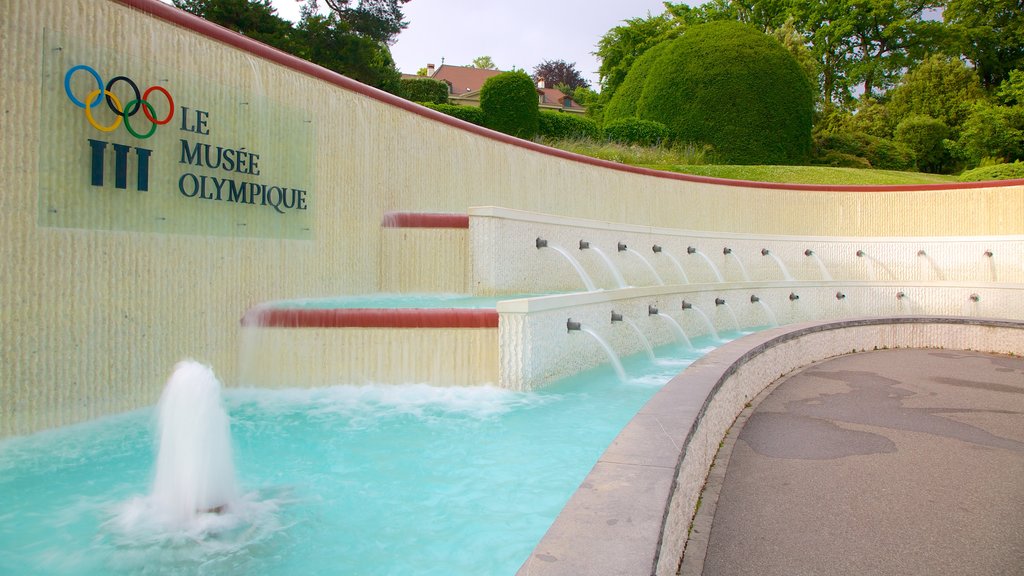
(632, 513)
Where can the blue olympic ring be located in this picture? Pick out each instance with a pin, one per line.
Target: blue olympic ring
(67, 84)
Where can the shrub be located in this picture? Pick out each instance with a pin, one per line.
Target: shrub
(725, 84)
(425, 90)
(633, 130)
(925, 135)
(471, 114)
(836, 148)
(997, 172)
(509, 103)
(993, 132)
(553, 124)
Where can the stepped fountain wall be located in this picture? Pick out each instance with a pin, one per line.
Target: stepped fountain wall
(103, 288)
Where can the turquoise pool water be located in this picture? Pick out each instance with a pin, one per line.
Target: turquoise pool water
(379, 480)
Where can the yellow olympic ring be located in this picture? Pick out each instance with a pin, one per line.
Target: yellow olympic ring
(88, 110)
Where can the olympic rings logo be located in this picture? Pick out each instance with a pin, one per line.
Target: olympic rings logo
(126, 112)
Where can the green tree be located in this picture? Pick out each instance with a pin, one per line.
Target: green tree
(728, 85)
(993, 133)
(256, 19)
(484, 63)
(940, 87)
(927, 137)
(378, 20)
(622, 45)
(1011, 91)
(990, 34)
(327, 40)
(509, 103)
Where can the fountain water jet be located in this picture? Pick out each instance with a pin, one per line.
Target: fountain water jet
(704, 317)
(195, 472)
(654, 272)
(821, 265)
(619, 280)
(612, 356)
(675, 262)
(767, 310)
(743, 269)
(782, 266)
(692, 250)
(591, 287)
(732, 315)
(673, 325)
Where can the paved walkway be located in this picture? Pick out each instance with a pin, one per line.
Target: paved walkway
(895, 462)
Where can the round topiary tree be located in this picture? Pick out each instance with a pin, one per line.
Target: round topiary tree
(728, 85)
(510, 104)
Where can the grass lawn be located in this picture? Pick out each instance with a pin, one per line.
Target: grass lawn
(807, 174)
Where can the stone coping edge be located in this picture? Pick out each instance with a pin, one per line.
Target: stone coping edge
(631, 514)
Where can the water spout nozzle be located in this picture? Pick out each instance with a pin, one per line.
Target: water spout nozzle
(652, 310)
(840, 295)
(719, 301)
(808, 252)
(616, 317)
(754, 299)
(656, 248)
(541, 243)
(691, 250)
(726, 250)
(687, 305)
(975, 298)
(921, 253)
(584, 244)
(900, 295)
(794, 296)
(765, 252)
(860, 253)
(571, 326)
(623, 247)
(988, 253)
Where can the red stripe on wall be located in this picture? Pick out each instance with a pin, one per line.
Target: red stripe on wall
(194, 23)
(424, 220)
(371, 318)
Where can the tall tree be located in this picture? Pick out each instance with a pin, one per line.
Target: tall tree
(623, 44)
(560, 72)
(990, 34)
(484, 63)
(256, 19)
(379, 20)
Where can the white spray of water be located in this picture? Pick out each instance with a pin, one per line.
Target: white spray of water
(195, 471)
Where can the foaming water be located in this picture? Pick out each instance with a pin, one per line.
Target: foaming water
(377, 479)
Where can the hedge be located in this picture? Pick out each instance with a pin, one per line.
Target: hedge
(728, 85)
(636, 131)
(471, 114)
(425, 90)
(564, 125)
(510, 104)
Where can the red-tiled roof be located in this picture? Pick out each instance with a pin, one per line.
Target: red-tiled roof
(463, 79)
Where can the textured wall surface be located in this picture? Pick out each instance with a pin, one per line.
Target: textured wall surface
(95, 311)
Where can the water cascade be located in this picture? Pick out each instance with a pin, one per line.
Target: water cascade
(541, 243)
(619, 280)
(673, 325)
(767, 310)
(640, 335)
(692, 250)
(704, 317)
(821, 265)
(612, 356)
(728, 309)
(936, 270)
(785, 271)
(654, 272)
(743, 269)
(657, 250)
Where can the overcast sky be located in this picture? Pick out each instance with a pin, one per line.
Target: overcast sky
(514, 33)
